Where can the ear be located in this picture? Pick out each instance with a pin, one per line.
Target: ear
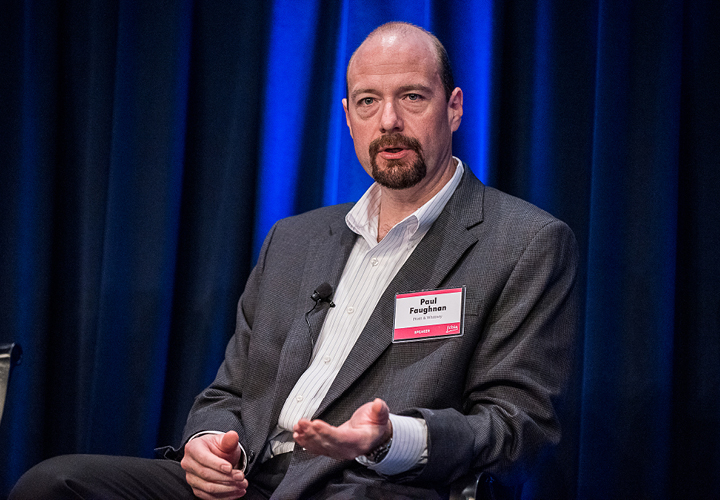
(347, 116)
(455, 109)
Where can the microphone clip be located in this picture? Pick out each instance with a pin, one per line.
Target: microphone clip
(322, 294)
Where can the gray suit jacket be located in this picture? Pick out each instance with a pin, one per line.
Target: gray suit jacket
(489, 397)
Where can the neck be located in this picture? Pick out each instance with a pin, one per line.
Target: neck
(396, 204)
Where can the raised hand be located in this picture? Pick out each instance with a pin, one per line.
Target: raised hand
(368, 428)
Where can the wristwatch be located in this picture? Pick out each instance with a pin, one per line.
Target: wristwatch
(380, 452)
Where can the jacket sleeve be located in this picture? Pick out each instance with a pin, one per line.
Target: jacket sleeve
(218, 407)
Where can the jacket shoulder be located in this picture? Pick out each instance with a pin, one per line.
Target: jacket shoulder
(508, 209)
(315, 220)
(330, 214)
(511, 225)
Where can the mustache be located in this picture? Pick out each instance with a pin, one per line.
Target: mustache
(394, 141)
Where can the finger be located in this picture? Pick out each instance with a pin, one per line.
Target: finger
(327, 441)
(381, 415)
(201, 458)
(217, 491)
(206, 476)
(306, 429)
(229, 442)
(321, 428)
(302, 425)
(379, 412)
(224, 447)
(209, 490)
(209, 474)
(207, 460)
(315, 433)
(305, 435)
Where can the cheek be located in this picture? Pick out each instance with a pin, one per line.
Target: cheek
(362, 147)
(361, 152)
(435, 138)
(361, 138)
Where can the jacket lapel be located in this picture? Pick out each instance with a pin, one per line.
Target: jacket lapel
(436, 255)
(325, 263)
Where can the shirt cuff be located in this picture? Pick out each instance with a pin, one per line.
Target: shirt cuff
(408, 449)
(242, 463)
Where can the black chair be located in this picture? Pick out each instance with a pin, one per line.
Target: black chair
(10, 356)
(479, 486)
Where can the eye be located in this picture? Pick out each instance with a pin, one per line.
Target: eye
(414, 97)
(366, 101)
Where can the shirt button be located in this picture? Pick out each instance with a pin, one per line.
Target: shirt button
(298, 398)
(374, 262)
(327, 359)
(350, 310)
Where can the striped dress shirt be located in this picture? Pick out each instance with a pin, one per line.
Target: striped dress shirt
(368, 271)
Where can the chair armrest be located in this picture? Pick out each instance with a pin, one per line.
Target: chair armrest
(10, 356)
(478, 486)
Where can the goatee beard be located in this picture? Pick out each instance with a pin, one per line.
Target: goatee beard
(397, 174)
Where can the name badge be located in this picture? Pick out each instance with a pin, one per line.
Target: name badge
(429, 314)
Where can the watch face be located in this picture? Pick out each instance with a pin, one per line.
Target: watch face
(380, 452)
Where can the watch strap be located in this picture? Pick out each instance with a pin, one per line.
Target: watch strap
(380, 452)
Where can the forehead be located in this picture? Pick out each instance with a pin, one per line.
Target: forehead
(394, 55)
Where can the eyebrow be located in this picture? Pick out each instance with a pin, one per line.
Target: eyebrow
(401, 90)
(357, 92)
(418, 86)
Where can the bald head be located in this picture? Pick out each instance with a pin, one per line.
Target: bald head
(389, 32)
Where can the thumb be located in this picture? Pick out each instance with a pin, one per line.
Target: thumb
(229, 442)
(380, 411)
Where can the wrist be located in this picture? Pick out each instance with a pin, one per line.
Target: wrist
(377, 454)
(380, 451)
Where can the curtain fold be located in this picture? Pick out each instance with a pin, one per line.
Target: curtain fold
(147, 148)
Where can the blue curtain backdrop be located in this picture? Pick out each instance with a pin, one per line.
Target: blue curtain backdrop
(147, 147)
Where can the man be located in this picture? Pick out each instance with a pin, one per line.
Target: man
(320, 395)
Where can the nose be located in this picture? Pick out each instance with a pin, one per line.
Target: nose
(390, 120)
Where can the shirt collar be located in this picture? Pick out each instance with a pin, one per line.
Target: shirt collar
(362, 219)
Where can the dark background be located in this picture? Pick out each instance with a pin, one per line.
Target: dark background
(147, 147)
